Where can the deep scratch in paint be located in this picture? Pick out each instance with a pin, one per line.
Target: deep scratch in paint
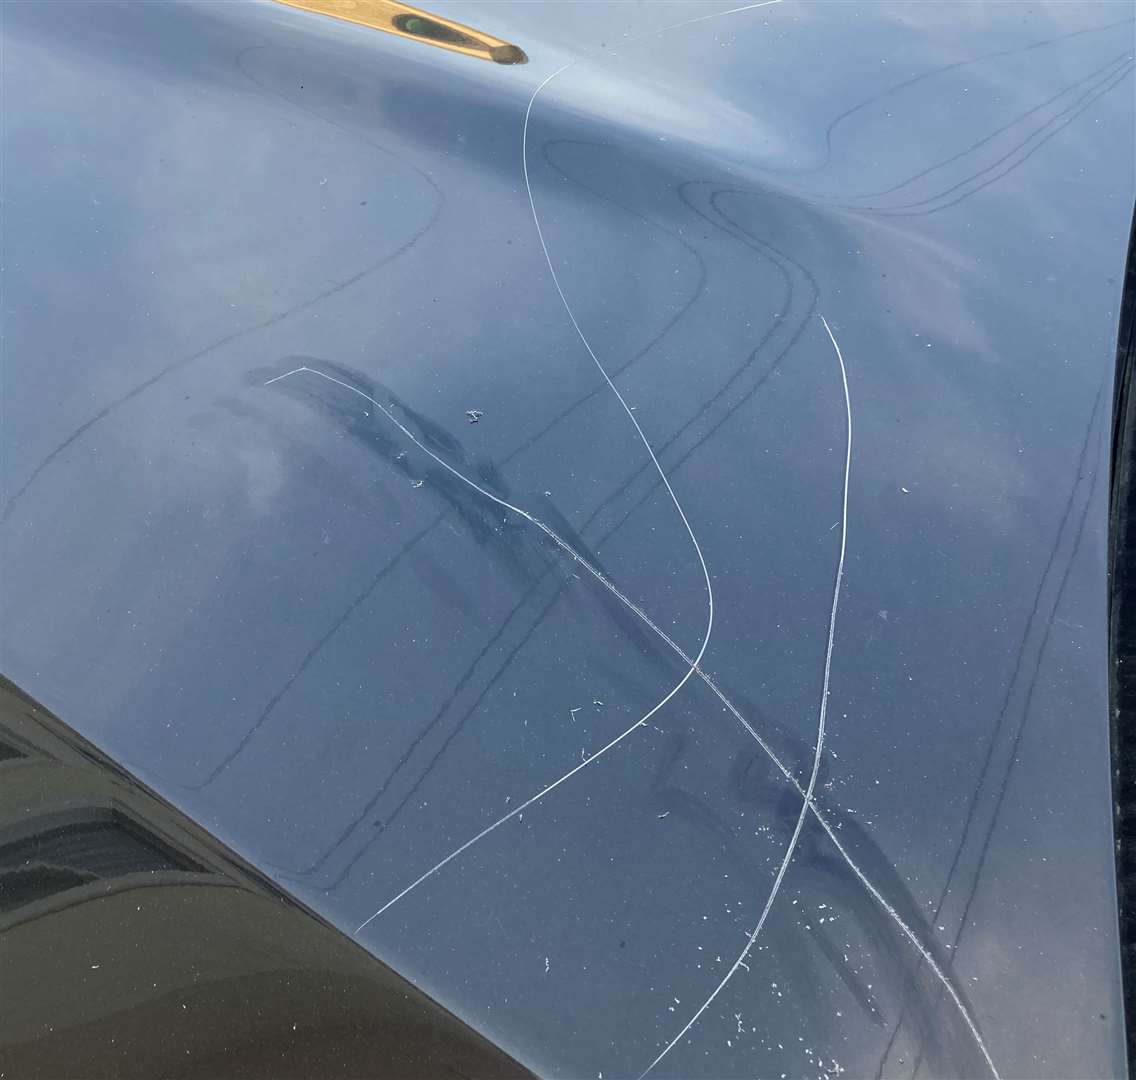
(818, 751)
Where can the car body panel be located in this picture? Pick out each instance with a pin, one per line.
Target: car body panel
(323, 614)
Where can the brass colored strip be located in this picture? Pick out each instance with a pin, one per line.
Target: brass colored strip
(404, 21)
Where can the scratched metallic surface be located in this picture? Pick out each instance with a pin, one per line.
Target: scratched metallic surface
(330, 617)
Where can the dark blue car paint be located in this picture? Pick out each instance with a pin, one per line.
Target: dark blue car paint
(345, 661)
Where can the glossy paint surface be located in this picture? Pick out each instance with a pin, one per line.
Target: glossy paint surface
(352, 618)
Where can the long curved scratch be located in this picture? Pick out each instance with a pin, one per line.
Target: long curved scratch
(563, 544)
(807, 797)
(603, 370)
(819, 750)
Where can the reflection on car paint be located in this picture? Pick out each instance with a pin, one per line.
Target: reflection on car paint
(142, 947)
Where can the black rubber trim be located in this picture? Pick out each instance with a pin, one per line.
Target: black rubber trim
(1122, 631)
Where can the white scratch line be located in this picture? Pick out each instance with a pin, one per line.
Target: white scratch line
(717, 691)
(294, 371)
(603, 370)
(920, 948)
(519, 810)
(550, 533)
(712, 15)
(819, 749)
(876, 895)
